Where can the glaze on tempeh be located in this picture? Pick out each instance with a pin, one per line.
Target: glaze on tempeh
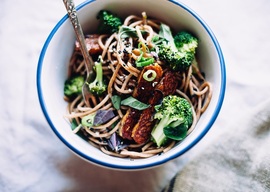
(167, 86)
(143, 92)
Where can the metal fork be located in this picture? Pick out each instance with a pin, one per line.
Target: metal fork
(88, 61)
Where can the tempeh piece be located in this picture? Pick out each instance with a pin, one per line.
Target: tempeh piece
(143, 92)
(167, 86)
(92, 44)
(128, 122)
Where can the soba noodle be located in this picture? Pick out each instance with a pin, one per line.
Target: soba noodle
(122, 75)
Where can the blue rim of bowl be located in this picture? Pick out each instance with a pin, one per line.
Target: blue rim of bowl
(155, 163)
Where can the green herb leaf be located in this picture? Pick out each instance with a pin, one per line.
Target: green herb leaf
(74, 124)
(126, 31)
(165, 32)
(116, 101)
(176, 133)
(103, 116)
(134, 103)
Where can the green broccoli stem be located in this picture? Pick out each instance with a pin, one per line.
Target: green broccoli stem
(157, 134)
(99, 73)
(98, 87)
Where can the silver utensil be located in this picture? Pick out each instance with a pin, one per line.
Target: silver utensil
(88, 61)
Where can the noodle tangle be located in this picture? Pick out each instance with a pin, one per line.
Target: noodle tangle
(118, 55)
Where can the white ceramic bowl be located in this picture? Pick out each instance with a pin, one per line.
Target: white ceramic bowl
(57, 50)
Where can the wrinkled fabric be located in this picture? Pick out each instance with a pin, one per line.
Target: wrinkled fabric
(34, 159)
(237, 160)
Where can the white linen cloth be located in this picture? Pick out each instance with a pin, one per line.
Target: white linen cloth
(33, 158)
(237, 160)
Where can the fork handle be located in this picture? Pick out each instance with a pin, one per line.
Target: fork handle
(72, 13)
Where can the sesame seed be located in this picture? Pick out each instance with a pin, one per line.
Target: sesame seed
(154, 84)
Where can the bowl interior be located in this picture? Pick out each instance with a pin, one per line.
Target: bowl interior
(55, 55)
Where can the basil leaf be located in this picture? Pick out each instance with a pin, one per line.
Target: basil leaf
(157, 40)
(165, 32)
(103, 116)
(116, 101)
(134, 103)
(176, 133)
(116, 143)
(126, 31)
(74, 124)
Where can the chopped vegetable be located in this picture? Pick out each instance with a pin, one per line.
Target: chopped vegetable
(109, 22)
(175, 117)
(134, 103)
(185, 42)
(98, 86)
(149, 75)
(176, 133)
(73, 86)
(127, 31)
(116, 143)
(143, 61)
(116, 101)
(103, 116)
(178, 51)
(88, 121)
(74, 124)
(98, 118)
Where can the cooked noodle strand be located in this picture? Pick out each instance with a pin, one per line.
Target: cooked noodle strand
(119, 67)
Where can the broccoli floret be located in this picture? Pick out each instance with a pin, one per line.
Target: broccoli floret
(109, 22)
(174, 117)
(177, 61)
(177, 51)
(98, 86)
(73, 86)
(185, 42)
